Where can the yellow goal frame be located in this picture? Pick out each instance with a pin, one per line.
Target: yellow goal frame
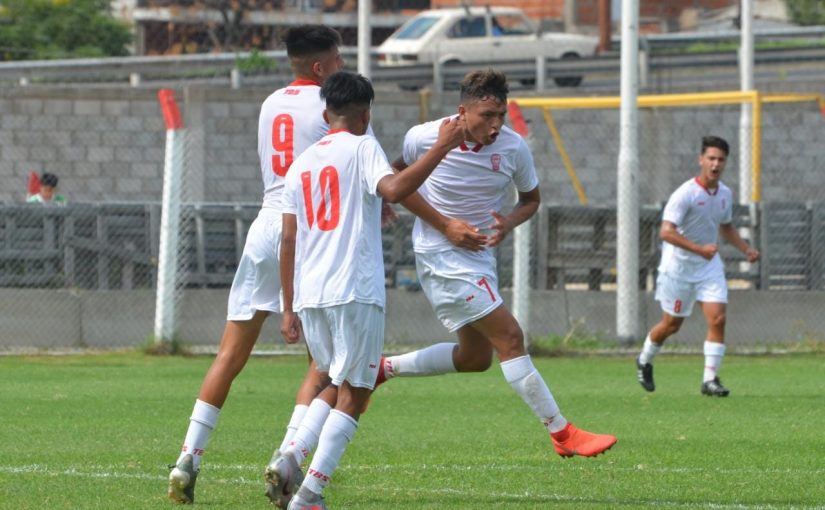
(753, 97)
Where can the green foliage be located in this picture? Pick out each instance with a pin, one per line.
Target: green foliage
(807, 12)
(52, 29)
(255, 63)
(96, 432)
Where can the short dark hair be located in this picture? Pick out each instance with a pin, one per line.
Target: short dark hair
(305, 40)
(47, 179)
(484, 84)
(344, 91)
(715, 141)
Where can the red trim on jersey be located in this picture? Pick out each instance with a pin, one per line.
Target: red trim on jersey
(338, 130)
(299, 83)
(707, 190)
(477, 147)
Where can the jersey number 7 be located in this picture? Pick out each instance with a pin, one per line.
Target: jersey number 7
(283, 133)
(328, 181)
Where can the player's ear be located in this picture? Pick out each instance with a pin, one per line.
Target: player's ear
(461, 111)
(326, 117)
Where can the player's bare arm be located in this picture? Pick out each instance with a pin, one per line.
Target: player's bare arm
(290, 324)
(527, 205)
(460, 233)
(397, 187)
(669, 233)
(731, 235)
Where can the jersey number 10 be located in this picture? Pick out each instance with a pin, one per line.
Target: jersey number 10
(329, 212)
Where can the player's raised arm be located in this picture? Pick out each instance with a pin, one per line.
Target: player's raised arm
(397, 187)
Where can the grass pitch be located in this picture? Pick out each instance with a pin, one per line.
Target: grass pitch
(97, 431)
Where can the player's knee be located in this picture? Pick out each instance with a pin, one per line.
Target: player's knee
(718, 321)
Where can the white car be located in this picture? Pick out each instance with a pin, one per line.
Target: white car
(478, 34)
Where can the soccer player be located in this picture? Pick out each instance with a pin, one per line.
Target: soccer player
(291, 119)
(691, 269)
(460, 206)
(332, 271)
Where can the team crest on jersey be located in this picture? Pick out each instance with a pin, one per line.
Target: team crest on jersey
(495, 160)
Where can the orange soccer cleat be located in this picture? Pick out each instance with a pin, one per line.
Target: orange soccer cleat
(572, 441)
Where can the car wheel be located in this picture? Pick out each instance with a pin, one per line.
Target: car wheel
(569, 81)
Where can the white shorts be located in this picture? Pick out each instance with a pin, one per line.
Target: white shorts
(346, 341)
(461, 285)
(257, 283)
(677, 296)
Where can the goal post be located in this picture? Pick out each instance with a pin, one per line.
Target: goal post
(577, 150)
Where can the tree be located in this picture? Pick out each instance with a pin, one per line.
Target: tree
(50, 29)
(807, 12)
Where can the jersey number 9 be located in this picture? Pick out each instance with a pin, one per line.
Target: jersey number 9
(283, 129)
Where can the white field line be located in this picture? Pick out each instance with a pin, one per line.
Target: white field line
(118, 472)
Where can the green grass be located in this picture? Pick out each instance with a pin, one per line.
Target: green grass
(97, 432)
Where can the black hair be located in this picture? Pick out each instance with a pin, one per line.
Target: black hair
(306, 40)
(715, 141)
(345, 90)
(479, 85)
(47, 179)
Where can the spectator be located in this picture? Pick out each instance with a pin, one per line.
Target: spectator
(48, 191)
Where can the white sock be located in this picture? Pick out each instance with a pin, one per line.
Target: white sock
(433, 360)
(649, 351)
(306, 437)
(528, 383)
(297, 415)
(201, 423)
(336, 435)
(714, 352)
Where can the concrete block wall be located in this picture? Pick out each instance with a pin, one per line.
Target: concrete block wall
(108, 144)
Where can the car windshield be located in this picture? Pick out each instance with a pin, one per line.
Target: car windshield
(415, 28)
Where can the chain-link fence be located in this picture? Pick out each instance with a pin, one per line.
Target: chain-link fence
(85, 274)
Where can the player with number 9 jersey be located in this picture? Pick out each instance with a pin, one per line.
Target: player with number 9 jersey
(281, 139)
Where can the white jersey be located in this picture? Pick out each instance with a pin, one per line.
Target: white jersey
(469, 182)
(291, 119)
(697, 213)
(332, 191)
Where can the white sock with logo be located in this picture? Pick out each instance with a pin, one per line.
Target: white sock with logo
(203, 420)
(528, 383)
(433, 360)
(335, 436)
(306, 437)
(714, 352)
(649, 351)
(294, 422)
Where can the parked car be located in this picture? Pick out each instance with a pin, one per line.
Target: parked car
(484, 35)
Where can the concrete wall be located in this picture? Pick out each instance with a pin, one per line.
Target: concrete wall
(116, 319)
(108, 144)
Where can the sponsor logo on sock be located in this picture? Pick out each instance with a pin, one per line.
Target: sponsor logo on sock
(319, 475)
(184, 448)
(197, 451)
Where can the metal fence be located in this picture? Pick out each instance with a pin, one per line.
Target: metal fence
(84, 274)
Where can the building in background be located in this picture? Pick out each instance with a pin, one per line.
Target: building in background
(197, 26)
